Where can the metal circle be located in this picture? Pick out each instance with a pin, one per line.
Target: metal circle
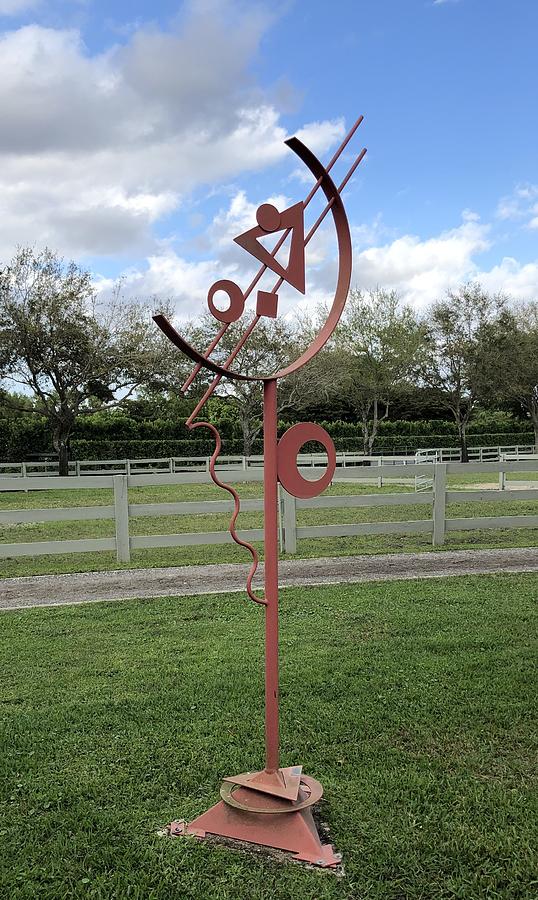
(236, 297)
(288, 447)
(308, 786)
(268, 217)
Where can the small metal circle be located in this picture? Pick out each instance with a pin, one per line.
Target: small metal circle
(236, 297)
(288, 447)
(268, 217)
(275, 805)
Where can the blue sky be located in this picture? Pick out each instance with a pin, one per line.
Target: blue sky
(140, 137)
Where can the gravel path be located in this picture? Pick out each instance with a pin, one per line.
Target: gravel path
(88, 587)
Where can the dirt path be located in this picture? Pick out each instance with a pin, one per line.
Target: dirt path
(88, 587)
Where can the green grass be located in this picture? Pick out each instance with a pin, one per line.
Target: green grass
(413, 703)
(102, 561)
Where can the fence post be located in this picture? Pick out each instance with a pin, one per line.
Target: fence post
(380, 477)
(121, 517)
(502, 480)
(439, 503)
(290, 522)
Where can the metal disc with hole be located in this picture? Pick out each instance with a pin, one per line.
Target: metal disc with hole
(253, 801)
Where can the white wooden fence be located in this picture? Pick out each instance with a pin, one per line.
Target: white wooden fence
(435, 521)
(178, 464)
(476, 454)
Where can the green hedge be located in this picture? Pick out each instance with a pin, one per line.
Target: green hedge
(19, 437)
(203, 446)
(121, 437)
(153, 449)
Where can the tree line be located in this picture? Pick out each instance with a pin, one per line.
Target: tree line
(66, 355)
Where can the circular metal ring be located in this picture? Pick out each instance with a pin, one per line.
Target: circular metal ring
(288, 447)
(236, 297)
(308, 785)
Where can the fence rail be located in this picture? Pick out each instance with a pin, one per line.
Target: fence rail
(476, 454)
(121, 511)
(178, 464)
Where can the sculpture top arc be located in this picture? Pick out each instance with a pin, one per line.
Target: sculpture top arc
(342, 285)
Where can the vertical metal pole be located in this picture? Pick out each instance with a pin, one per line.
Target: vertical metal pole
(290, 522)
(270, 511)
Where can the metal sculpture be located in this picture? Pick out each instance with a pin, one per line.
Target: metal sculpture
(273, 807)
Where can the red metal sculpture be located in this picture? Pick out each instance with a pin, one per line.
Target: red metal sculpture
(273, 807)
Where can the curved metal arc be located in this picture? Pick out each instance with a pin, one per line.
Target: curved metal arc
(237, 506)
(344, 255)
(168, 329)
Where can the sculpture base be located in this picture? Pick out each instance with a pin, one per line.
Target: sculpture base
(255, 817)
(279, 783)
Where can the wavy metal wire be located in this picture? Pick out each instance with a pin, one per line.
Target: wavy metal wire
(237, 506)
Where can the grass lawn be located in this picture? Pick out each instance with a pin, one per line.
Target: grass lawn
(412, 702)
(101, 561)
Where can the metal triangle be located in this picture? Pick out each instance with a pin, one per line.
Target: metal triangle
(282, 783)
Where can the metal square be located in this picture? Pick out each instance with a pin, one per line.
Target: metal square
(267, 304)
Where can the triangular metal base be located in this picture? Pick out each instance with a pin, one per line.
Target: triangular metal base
(267, 821)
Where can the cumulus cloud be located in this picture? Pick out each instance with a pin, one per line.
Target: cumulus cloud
(95, 147)
(520, 206)
(422, 270)
(511, 277)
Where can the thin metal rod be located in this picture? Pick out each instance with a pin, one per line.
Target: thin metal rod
(279, 244)
(322, 215)
(216, 381)
(270, 512)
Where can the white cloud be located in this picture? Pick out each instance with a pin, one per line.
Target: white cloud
(320, 135)
(422, 270)
(511, 277)
(94, 148)
(520, 206)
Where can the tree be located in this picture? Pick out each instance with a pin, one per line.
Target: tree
(457, 363)
(375, 349)
(74, 354)
(512, 349)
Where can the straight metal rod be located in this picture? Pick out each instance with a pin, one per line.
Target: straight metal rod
(270, 509)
